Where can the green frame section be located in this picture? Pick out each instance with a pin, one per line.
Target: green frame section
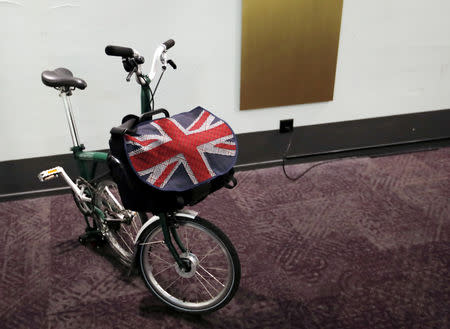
(168, 232)
(87, 164)
(87, 161)
(84, 159)
(145, 95)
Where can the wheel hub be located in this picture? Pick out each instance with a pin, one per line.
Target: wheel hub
(192, 260)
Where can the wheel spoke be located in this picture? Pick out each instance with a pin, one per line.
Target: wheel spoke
(133, 222)
(125, 243)
(186, 286)
(150, 253)
(124, 226)
(170, 285)
(150, 243)
(121, 240)
(206, 280)
(203, 285)
(216, 269)
(212, 276)
(163, 270)
(208, 253)
(214, 266)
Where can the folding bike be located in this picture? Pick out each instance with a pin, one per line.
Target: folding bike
(200, 271)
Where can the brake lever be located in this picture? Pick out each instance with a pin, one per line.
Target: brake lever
(172, 63)
(128, 78)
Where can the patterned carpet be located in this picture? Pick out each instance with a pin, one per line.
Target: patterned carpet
(356, 243)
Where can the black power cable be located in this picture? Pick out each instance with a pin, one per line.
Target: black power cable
(306, 170)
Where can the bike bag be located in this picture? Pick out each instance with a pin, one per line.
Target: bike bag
(167, 163)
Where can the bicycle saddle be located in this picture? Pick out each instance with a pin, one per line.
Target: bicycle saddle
(62, 77)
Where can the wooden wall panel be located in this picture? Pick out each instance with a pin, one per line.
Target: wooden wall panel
(289, 51)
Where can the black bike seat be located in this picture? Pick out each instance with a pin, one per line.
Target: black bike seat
(62, 77)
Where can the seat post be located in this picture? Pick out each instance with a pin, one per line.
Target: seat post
(65, 93)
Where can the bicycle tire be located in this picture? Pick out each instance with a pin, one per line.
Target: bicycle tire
(119, 235)
(196, 245)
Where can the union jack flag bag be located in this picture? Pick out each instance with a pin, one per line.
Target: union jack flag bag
(177, 160)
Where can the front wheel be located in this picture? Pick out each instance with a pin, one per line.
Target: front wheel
(213, 273)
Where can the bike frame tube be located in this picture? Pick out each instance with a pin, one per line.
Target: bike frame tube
(167, 232)
(168, 240)
(69, 115)
(180, 244)
(145, 95)
(83, 158)
(79, 154)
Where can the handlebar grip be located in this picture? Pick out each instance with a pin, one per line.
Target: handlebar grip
(119, 51)
(169, 44)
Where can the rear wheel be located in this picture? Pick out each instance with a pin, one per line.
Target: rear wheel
(120, 226)
(213, 274)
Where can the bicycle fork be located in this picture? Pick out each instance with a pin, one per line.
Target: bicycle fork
(168, 232)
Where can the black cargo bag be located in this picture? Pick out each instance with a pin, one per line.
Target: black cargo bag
(165, 164)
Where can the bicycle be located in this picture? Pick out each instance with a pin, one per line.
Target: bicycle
(185, 261)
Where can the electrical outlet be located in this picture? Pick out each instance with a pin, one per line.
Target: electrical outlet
(286, 125)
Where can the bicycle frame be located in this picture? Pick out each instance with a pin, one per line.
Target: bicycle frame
(84, 157)
(130, 233)
(145, 95)
(145, 107)
(81, 156)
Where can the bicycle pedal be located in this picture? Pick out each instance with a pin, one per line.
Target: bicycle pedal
(49, 174)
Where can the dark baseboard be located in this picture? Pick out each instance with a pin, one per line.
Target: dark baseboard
(19, 177)
(368, 137)
(344, 136)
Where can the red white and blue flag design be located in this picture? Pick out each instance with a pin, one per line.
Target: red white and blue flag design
(180, 152)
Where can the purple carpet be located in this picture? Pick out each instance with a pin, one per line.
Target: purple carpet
(356, 243)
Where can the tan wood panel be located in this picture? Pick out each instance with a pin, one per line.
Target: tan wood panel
(289, 51)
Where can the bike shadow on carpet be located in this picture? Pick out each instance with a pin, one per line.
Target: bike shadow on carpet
(125, 273)
(247, 309)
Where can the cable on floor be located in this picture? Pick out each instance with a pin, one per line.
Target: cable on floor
(306, 170)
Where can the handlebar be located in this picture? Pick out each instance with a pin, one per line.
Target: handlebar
(131, 59)
(169, 44)
(119, 51)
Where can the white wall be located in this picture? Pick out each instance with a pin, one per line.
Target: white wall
(394, 58)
